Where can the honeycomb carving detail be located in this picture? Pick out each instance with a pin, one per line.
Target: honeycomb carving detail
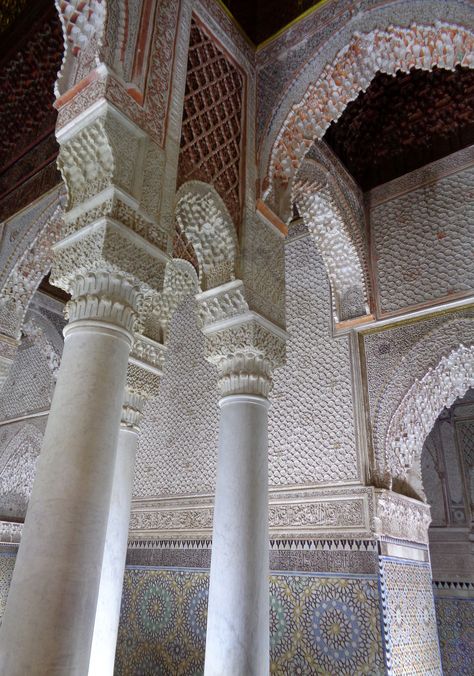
(311, 420)
(351, 71)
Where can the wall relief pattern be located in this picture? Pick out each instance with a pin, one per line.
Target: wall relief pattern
(311, 420)
(432, 225)
(18, 461)
(177, 452)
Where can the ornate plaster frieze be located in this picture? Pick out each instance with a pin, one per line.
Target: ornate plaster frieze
(102, 159)
(351, 71)
(10, 532)
(103, 152)
(148, 353)
(222, 302)
(108, 247)
(399, 517)
(293, 516)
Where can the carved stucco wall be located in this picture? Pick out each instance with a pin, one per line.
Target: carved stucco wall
(422, 228)
(311, 421)
(20, 445)
(311, 424)
(178, 441)
(7, 562)
(28, 390)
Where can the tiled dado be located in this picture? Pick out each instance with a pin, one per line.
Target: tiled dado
(328, 624)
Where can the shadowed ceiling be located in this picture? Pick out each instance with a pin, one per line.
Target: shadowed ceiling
(261, 19)
(403, 122)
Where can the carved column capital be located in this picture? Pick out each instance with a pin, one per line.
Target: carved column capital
(246, 350)
(103, 296)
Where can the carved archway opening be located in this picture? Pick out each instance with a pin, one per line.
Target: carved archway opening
(26, 275)
(351, 71)
(417, 413)
(337, 231)
(203, 218)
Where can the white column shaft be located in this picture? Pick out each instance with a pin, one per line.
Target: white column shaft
(49, 618)
(111, 581)
(237, 641)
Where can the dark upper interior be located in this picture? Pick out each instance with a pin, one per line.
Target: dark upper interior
(260, 19)
(400, 123)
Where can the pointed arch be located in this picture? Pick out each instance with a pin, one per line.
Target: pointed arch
(29, 269)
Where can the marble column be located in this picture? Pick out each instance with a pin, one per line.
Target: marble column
(238, 611)
(142, 383)
(238, 635)
(49, 618)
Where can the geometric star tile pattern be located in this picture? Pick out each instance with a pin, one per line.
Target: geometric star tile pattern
(319, 625)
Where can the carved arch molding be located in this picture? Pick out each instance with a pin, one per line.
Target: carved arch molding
(431, 376)
(443, 45)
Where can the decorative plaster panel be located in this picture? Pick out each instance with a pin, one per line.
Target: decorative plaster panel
(30, 382)
(20, 445)
(311, 420)
(422, 239)
(7, 562)
(177, 447)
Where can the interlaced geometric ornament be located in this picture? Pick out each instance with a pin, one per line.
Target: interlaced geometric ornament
(182, 248)
(212, 120)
